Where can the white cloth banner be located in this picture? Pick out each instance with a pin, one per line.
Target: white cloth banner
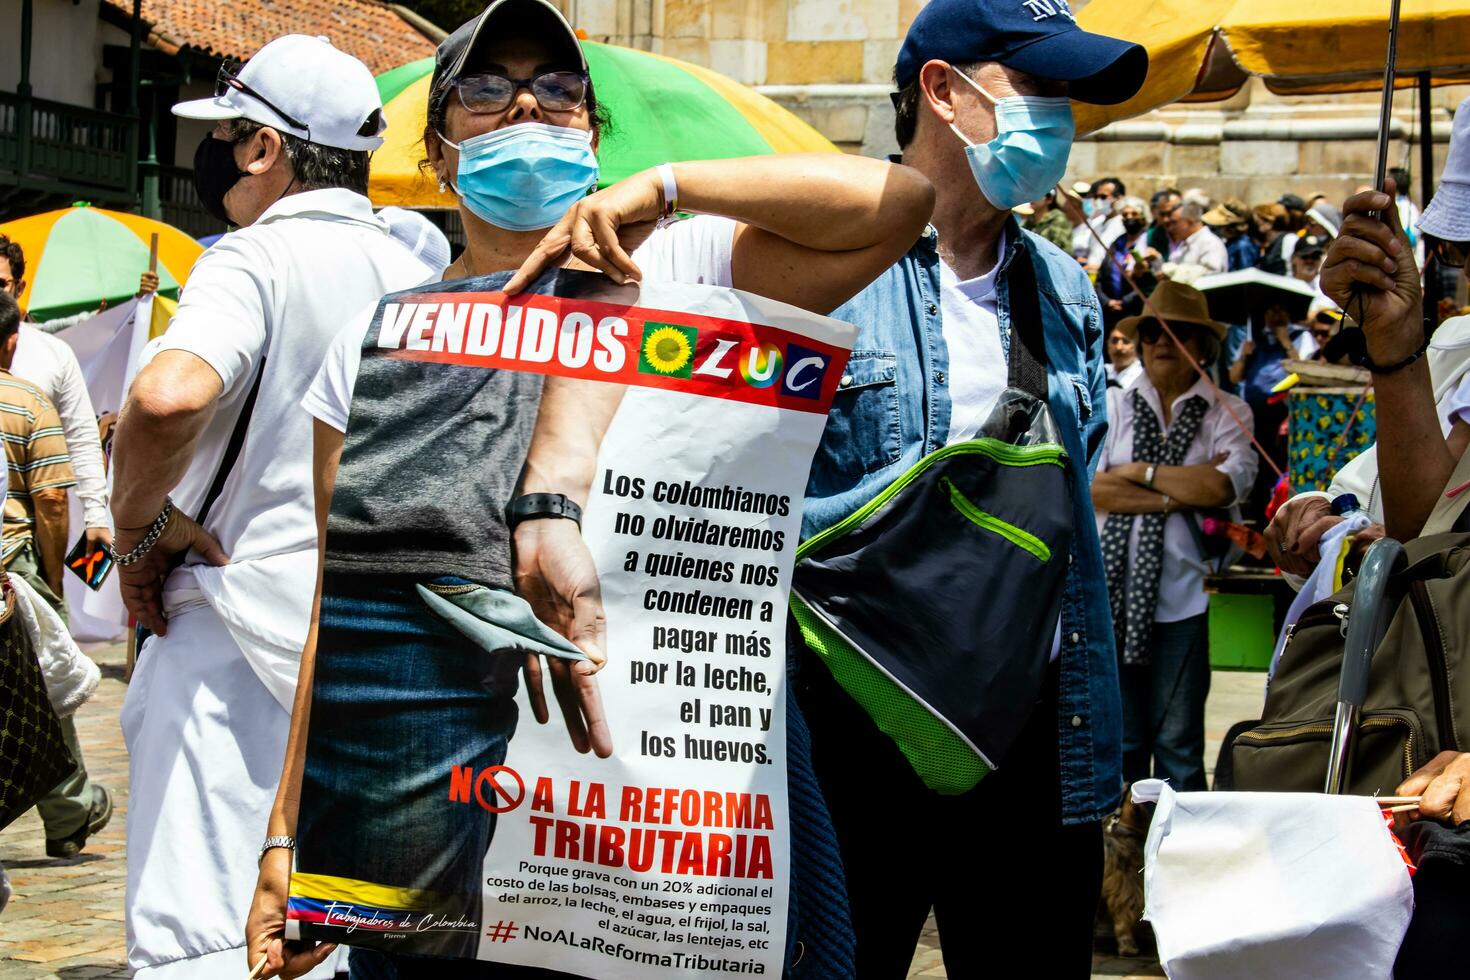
(107, 348)
(1273, 886)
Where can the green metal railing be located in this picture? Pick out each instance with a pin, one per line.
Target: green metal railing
(177, 200)
(42, 140)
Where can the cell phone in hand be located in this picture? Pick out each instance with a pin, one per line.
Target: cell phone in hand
(92, 567)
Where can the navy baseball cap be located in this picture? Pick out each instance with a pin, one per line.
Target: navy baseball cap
(1038, 37)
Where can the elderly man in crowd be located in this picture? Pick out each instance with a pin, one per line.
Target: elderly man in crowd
(1194, 250)
(1173, 450)
(213, 459)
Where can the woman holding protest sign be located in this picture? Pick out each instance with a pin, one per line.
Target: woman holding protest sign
(513, 126)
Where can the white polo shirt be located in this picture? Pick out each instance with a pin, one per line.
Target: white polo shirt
(48, 363)
(280, 289)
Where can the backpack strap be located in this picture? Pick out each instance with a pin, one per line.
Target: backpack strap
(1027, 369)
(233, 447)
(1447, 510)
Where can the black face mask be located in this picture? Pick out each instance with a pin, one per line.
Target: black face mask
(1133, 226)
(214, 174)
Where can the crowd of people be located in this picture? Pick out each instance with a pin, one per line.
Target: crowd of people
(227, 451)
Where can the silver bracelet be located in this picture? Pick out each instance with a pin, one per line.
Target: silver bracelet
(1149, 474)
(271, 843)
(155, 530)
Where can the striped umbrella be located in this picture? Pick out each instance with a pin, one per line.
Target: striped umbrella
(662, 110)
(79, 256)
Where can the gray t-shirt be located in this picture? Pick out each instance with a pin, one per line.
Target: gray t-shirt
(432, 456)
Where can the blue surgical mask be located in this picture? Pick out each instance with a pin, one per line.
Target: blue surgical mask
(1033, 138)
(526, 176)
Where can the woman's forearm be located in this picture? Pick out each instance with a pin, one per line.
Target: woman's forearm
(327, 453)
(1113, 494)
(830, 202)
(573, 418)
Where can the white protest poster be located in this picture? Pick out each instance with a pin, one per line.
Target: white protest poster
(438, 817)
(107, 348)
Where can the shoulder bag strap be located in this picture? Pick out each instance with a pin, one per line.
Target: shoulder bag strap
(233, 447)
(1448, 509)
(1027, 369)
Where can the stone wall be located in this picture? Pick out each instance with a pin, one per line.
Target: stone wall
(831, 61)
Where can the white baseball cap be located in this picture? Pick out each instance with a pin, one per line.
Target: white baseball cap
(303, 86)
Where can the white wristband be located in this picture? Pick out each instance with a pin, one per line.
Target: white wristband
(671, 188)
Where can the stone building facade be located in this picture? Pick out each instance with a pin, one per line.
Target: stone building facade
(830, 62)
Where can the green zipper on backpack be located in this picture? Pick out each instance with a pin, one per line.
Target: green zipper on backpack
(1002, 452)
(1024, 540)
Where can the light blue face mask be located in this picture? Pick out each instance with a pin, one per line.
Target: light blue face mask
(1033, 138)
(526, 176)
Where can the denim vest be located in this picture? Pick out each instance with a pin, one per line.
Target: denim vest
(892, 409)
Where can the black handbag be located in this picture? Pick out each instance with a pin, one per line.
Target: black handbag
(934, 605)
(33, 752)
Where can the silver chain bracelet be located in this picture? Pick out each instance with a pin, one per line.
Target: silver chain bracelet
(155, 530)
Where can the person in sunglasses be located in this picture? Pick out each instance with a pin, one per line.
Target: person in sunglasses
(213, 459)
(1173, 450)
(514, 123)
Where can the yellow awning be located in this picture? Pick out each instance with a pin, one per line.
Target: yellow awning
(1204, 50)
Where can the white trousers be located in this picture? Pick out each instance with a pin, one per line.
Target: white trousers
(205, 743)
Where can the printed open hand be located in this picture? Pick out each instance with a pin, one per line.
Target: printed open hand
(554, 572)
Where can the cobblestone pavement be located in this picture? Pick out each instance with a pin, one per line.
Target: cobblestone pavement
(66, 917)
(65, 920)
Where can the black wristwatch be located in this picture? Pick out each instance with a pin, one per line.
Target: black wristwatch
(530, 506)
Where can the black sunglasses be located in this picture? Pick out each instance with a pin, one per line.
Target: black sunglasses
(555, 91)
(229, 78)
(1149, 331)
(1449, 254)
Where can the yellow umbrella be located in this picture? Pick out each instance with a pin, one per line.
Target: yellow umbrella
(1205, 50)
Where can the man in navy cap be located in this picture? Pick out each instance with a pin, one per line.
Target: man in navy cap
(983, 111)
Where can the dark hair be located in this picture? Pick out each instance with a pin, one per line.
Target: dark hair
(313, 165)
(1118, 189)
(9, 316)
(1160, 195)
(1401, 178)
(15, 254)
(906, 104)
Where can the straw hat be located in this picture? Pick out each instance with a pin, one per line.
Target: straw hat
(1176, 303)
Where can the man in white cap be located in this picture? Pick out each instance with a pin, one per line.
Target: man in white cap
(216, 535)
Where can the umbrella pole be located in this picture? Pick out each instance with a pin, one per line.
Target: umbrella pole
(1432, 286)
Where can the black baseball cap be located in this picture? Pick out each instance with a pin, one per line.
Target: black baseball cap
(515, 18)
(1292, 202)
(1038, 37)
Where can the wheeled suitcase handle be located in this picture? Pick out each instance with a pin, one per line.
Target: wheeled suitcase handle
(1367, 624)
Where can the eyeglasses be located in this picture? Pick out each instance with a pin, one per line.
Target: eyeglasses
(1449, 254)
(555, 91)
(229, 78)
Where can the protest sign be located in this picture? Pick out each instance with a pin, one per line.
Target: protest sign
(107, 347)
(436, 816)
